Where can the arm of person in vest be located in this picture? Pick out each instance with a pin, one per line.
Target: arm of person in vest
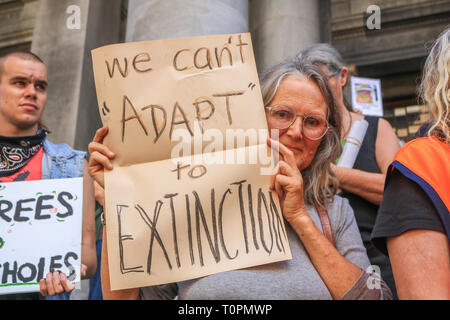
(369, 185)
(421, 264)
(56, 283)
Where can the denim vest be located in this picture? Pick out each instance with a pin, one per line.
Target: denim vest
(61, 161)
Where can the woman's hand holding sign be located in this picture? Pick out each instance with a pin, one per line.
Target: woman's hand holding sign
(101, 157)
(56, 283)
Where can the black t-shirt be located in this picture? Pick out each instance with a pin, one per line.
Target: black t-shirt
(405, 206)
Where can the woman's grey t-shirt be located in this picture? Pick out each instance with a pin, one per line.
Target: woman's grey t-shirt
(288, 280)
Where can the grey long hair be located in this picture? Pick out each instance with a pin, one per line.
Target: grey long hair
(323, 54)
(320, 183)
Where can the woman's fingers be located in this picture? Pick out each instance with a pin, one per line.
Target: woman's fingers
(100, 156)
(97, 159)
(43, 287)
(49, 284)
(100, 134)
(66, 283)
(284, 153)
(57, 283)
(279, 188)
(102, 149)
(286, 170)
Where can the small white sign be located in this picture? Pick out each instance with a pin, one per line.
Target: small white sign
(40, 231)
(366, 96)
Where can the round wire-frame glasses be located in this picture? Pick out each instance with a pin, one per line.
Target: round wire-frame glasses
(314, 126)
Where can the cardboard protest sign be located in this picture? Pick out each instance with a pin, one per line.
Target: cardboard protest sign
(366, 96)
(187, 196)
(40, 231)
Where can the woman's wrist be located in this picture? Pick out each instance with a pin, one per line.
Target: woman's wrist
(302, 223)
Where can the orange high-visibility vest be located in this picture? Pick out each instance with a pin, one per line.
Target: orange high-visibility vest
(426, 161)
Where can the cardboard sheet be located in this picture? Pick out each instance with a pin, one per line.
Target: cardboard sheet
(187, 196)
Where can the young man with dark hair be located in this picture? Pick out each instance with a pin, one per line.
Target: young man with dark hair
(26, 154)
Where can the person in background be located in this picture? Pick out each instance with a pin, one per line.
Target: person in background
(327, 263)
(26, 154)
(413, 223)
(363, 184)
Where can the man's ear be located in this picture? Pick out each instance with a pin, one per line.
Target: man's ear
(344, 76)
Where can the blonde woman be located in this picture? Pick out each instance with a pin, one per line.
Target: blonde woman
(413, 223)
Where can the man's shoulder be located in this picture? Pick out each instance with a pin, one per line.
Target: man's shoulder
(61, 150)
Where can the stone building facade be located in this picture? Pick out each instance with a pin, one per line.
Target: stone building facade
(63, 32)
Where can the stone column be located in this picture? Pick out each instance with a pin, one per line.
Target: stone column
(71, 112)
(281, 28)
(155, 19)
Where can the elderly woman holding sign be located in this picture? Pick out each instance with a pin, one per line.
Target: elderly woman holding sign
(328, 258)
(362, 180)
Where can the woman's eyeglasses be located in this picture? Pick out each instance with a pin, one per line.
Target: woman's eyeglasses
(282, 117)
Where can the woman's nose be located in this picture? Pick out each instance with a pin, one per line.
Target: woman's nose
(296, 129)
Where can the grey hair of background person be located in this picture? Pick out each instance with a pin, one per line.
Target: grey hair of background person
(320, 183)
(323, 54)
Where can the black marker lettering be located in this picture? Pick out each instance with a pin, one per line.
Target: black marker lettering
(200, 214)
(12, 272)
(252, 216)
(241, 205)
(199, 112)
(174, 227)
(122, 238)
(22, 277)
(5, 206)
(227, 96)
(188, 213)
(126, 102)
(219, 56)
(222, 240)
(240, 45)
(124, 73)
(41, 266)
(262, 197)
(207, 56)
(158, 130)
(61, 200)
(20, 209)
(146, 58)
(154, 233)
(72, 274)
(40, 206)
(185, 120)
(175, 65)
(54, 265)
